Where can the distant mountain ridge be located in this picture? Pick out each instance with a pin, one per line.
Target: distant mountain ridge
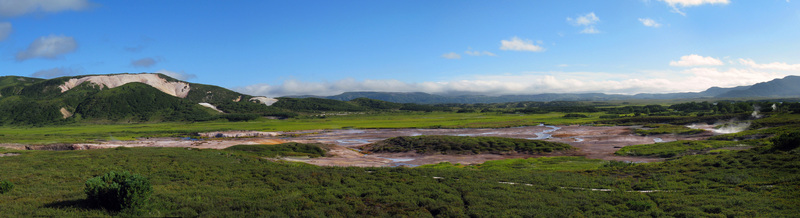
(787, 87)
(131, 98)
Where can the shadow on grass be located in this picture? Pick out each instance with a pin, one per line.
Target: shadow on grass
(79, 204)
(83, 204)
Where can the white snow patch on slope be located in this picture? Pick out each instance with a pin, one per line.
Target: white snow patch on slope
(264, 100)
(177, 89)
(211, 106)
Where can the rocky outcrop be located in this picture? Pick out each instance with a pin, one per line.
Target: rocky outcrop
(264, 100)
(211, 106)
(238, 134)
(65, 113)
(177, 89)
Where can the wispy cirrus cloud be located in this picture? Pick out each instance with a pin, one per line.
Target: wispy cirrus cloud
(649, 22)
(5, 30)
(451, 55)
(517, 44)
(48, 47)
(11, 8)
(144, 62)
(57, 72)
(470, 52)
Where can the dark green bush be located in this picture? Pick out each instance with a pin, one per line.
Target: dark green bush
(285, 149)
(575, 116)
(6, 186)
(464, 145)
(786, 141)
(118, 190)
(240, 117)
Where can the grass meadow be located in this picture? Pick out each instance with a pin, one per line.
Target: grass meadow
(220, 183)
(76, 133)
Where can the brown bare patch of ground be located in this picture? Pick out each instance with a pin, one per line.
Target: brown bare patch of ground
(269, 141)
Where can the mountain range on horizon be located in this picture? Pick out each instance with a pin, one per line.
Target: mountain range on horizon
(157, 97)
(787, 87)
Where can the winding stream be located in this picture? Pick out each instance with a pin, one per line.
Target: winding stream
(546, 133)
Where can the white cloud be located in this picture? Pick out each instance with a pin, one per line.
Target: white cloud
(585, 20)
(696, 60)
(590, 30)
(451, 55)
(479, 53)
(649, 22)
(677, 4)
(10, 8)
(588, 21)
(177, 75)
(144, 62)
(770, 66)
(692, 3)
(50, 47)
(5, 30)
(694, 80)
(517, 44)
(56, 72)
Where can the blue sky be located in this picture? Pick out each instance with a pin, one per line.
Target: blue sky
(276, 48)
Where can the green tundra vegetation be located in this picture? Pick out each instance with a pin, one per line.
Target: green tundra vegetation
(656, 129)
(759, 182)
(675, 148)
(464, 145)
(758, 174)
(281, 150)
(760, 132)
(5, 186)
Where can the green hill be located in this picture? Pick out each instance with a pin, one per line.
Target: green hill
(138, 102)
(33, 101)
(126, 98)
(786, 87)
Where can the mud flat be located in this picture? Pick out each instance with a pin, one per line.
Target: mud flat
(592, 142)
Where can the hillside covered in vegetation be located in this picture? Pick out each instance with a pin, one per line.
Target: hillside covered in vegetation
(136, 98)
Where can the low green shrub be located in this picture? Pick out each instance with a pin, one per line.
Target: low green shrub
(655, 129)
(786, 141)
(118, 191)
(464, 145)
(285, 149)
(575, 116)
(6, 186)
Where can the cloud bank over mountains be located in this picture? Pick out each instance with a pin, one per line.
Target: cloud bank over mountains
(702, 73)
